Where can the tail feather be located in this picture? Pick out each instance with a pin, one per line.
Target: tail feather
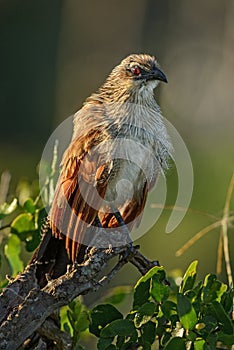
(51, 257)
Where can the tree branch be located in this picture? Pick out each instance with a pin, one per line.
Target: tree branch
(25, 307)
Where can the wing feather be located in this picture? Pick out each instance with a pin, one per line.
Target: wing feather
(79, 192)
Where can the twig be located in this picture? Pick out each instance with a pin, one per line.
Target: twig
(4, 227)
(195, 238)
(219, 256)
(49, 182)
(183, 209)
(4, 185)
(224, 232)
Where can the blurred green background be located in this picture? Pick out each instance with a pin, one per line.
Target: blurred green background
(55, 53)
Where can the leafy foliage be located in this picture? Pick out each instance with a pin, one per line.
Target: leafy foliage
(196, 317)
(75, 321)
(24, 216)
(21, 220)
(7, 208)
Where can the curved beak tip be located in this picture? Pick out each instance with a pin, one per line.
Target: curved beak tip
(159, 75)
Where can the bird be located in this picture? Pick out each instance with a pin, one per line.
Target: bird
(118, 149)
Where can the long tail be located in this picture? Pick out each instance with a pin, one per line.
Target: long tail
(51, 257)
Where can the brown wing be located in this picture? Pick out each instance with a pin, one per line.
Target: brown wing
(79, 192)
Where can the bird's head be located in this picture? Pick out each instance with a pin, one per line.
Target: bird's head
(140, 68)
(137, 74)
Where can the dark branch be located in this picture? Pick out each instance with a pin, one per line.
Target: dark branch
(25, 307)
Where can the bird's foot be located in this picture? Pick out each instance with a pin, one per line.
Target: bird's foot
(124, 227)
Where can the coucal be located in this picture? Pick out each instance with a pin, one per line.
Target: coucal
(119, 146)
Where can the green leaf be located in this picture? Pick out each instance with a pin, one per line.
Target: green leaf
(24, 227)
(32, 240)
(144, 314)
(124, 328)
(71, 318)
(105, 343)
(189, 277)
(76, 307)
(169, 308)
(64, 321)
(40, 215)
(159, 291)
(12, 251)
(227, 339)
(119, 342)
(223, 318)
(211, 342)
(82, 323)
(22, 224)
(227, 300)
(3, 284)
(143, 286)
(191, 336)
(186, 312)
(102, 315)
(176, 343)
(149, 275)
(66, 328)
(145, 344)
(7, 209)
(208, 323)
(148, 331)
(199, 344)
(141, 293)
(29, 206)
(213, 289)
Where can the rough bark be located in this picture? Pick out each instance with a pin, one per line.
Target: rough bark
(25, 309)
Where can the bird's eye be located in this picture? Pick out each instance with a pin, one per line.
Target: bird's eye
(136, 70)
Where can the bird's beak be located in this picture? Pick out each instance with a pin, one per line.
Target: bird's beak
(159, 75)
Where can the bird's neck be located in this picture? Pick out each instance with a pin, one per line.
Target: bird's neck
(127, 104)
(143, 95)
